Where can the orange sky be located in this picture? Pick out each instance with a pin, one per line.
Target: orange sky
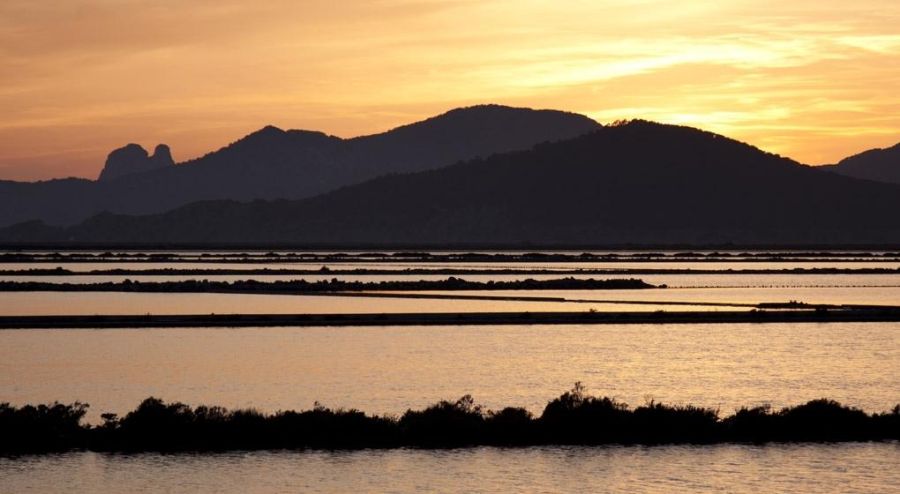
(815, 80)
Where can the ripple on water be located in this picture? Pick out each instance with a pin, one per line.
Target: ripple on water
(856, 467)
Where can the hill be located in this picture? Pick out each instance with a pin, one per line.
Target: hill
(637, 183)
(284, 164)
(880, 165)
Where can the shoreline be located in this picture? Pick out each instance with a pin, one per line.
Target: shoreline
(574, 418)
(451, 257)
(441, 247)
(806, 315)
(301, 287)
(59, 271)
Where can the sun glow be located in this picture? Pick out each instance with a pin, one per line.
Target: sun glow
(812, 80)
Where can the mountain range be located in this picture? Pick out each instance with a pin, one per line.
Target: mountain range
(632, 183)
(283, 164)
(880, 165)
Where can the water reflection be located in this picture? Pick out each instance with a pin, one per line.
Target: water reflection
(663, 469)
(390, 369)
(671, 280)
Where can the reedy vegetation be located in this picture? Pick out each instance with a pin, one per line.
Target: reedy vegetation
(573, 418)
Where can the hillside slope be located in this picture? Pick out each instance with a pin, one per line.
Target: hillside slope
(272, 163)
(639, 183)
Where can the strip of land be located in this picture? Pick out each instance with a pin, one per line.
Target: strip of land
(60, 271)
(572, 418)
(444, 257)
(532, 298)
(322, 286)
(773, 315)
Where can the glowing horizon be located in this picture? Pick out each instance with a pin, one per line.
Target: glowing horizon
(812, 80)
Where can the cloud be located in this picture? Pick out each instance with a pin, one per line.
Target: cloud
(809, 79)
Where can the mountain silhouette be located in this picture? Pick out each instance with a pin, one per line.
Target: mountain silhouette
(881, 165)
(134, 159)
(284, 164)
(635, 183)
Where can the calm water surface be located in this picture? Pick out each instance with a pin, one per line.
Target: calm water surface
(877, 295)
(390, 369)
(387, 370)
(71, 303)
(672, 280)
(858, 468)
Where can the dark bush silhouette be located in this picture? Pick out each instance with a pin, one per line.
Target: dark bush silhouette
(573, 418)
(444, 424)
(333, 285)
(42, 428)
(817, 420)
(656, 423)
(158, 426)
(577, 418)
(340, 429)
(509, 427)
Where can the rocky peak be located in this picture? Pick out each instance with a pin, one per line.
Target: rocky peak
(133, 158)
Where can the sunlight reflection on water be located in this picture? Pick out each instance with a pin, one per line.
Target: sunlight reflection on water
(855, 467)
(389, 369)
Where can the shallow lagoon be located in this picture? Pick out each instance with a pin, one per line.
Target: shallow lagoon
(859, 468)
(390, 369)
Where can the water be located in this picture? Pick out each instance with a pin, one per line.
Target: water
(389, 369)
(89, 303)
(740, 295)
(858, 468)
(749, 288)
(672, 280)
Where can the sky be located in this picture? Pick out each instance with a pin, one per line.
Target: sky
(815, 80)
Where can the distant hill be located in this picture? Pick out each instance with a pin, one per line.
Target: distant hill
(272, 163)
(133, 159)
(637, 183)
(58, 201)
(881, 165)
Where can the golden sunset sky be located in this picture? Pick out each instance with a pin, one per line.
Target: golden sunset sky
(815, 80)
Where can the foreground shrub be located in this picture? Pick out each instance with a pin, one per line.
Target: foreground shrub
(573, 418)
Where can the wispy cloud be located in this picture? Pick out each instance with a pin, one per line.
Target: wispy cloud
(814, 80)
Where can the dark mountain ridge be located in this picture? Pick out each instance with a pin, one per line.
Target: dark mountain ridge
(133, 159)
(637, 183)
(272, 163)
(880, 165)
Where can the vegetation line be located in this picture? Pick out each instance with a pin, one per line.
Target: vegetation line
(325, 270)
(772, 313)
(448, 257)
(321, 286)
(455, 296)
(573, 418)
